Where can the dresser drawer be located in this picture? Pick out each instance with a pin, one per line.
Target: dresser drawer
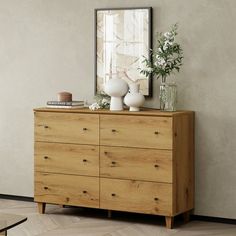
(136, 196)
(141, 164)
(67, 127)
(136, 131)
(67, 158)
(67, 189)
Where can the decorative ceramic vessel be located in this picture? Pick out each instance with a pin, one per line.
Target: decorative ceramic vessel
(64, 97)
(168, 96)
(116, 88)
(134, 99)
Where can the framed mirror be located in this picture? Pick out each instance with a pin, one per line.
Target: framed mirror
(122, 37)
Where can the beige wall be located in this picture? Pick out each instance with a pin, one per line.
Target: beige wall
(47, 46)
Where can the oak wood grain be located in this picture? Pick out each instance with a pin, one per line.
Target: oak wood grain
(136, 131)
(41, 207)
(169, 222)
(136, 196)
(67, 189)
(67, 128)
(67, 158)
(143, 111)
(140, 161)
(136, 164)
(183, 156)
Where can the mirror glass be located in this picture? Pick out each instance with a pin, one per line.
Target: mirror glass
(123, 37)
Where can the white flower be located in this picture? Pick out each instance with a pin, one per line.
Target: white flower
(160, 61)
(165, 58)
(94, 106)
(167, 44)
(158, 57)
(105, 101)
(165, 47)
(168, 35)
(148, 69)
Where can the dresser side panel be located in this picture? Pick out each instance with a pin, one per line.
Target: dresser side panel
(183, 163)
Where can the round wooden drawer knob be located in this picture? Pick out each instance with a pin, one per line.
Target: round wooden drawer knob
(45, 188)
(84, 160)
(156, 198)
(84, 191)
(113, 194)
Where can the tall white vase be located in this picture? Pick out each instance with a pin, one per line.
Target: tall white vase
(134, 99)
(116, 88)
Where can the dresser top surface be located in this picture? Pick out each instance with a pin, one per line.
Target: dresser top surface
(142, 112)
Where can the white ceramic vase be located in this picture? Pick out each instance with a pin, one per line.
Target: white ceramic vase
(116, 88)
(134, 99)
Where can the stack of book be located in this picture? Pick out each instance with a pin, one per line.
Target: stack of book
(72, 104)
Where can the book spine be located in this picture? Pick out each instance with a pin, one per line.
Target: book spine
(57, 103)
(66, 107)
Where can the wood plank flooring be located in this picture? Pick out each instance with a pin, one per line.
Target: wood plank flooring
(90, 222)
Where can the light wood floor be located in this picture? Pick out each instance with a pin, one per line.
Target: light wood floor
(88, 222)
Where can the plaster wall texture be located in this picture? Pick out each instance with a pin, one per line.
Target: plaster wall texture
(47, 46)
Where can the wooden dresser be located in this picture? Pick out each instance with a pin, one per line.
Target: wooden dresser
(127, 161)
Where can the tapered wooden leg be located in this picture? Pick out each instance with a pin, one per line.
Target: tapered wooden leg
(41, 207)
(62, 206)
(169, 222)
(3, 233)
(109, 213)
(186, 216)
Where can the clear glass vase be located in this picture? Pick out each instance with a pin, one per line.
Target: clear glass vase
(168, 96)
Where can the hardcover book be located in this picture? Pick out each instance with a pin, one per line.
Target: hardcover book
(72, 103)
(66, 106)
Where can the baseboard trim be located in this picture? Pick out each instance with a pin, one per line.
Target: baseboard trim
(193, 217)
(213, 219)
(17, 198)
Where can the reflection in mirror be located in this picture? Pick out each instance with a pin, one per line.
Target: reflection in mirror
(123, 37)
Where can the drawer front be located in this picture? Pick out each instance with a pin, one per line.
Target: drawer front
(136, 196)
(67, 158)
(67, 189)
(136, 131)
(67, 128)
(141, 164)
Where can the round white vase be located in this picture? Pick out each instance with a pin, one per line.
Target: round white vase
(134, 99)
(116, 88)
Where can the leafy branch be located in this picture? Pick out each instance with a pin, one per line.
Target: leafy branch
(166, 58)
